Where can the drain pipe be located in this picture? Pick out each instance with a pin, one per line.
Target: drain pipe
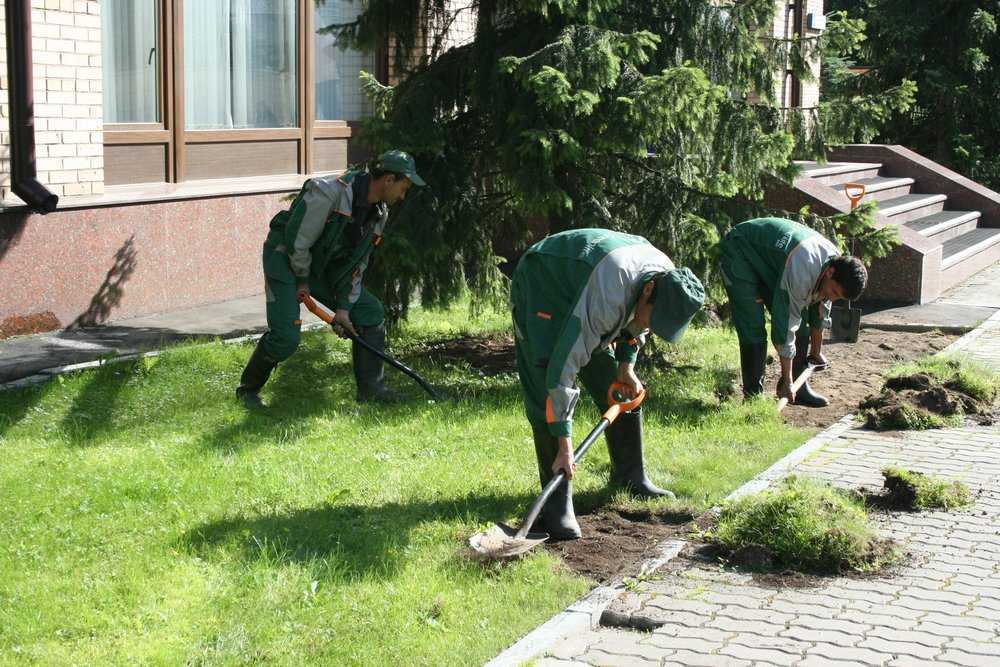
(23, 174)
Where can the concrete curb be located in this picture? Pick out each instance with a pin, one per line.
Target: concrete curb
(582, 615)
(993, 322)
(47, 374)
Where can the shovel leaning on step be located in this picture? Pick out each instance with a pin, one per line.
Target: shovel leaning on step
(846, 321)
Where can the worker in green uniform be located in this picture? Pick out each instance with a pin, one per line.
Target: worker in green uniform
(795, 273)
(320, 247)
(575, 296)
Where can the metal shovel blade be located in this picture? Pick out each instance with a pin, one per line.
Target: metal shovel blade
(501, 543)
(846, 323)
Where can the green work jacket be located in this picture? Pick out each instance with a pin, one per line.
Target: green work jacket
(788, 258)
(581, 289)
(320, 240)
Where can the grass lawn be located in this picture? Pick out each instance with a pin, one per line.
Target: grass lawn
(146, 518)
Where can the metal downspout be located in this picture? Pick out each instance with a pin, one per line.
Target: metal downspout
(23, 174)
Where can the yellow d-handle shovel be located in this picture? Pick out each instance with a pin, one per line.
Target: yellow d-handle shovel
(323, 314)
(502, 541)
(846, 321)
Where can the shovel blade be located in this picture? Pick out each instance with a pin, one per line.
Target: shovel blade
(846, 324)
(501, 543)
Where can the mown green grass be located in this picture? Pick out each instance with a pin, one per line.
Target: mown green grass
(955, 372)
(146, 518)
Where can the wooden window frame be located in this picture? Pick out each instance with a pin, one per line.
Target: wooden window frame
(171, 132)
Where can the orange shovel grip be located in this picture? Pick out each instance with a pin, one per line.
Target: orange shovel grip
(855, 192)
(616, 406)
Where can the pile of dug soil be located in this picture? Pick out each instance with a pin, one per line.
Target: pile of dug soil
(920, 401)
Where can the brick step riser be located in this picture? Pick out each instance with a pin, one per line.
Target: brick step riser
(849, 177)
(916, 213)
(954, 231)
(955, 274)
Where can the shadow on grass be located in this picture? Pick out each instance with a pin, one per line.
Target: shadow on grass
(16, 403)
(350, 541)
(92, 413)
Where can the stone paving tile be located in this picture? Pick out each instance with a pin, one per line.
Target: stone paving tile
(942, 606)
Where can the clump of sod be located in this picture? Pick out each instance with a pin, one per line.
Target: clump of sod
(931, 393)
(801, 525)
(908, 489)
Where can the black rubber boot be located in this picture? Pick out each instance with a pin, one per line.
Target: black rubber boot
(625, 449)
(557, 517)
(255, 375)
(369, 370)
(805, 395)
(753, 361)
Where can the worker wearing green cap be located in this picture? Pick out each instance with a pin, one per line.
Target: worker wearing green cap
(583, 302)
(794, 273)
(320, 247)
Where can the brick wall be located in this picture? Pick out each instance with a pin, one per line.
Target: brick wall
(69, 142)
(783, 27)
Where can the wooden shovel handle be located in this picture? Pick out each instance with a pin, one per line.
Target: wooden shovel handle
(797, 384)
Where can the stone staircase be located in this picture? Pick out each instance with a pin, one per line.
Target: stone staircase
(949, 226)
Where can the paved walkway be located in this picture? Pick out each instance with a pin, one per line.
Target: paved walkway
(33, 358)
(943, 607)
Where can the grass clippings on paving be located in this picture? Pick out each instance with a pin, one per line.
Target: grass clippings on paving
(801, 525)
(147, 518)
(933, 392)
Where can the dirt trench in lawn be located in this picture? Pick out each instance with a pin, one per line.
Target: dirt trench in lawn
(614, 543)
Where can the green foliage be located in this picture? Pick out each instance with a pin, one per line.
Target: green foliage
(928, 491)
(854, 232)
(653, 118)
(950, 51)
(804, 525)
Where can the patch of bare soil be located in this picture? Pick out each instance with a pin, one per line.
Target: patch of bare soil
(22, 325)
(489, 354)
(615, 542)
(855, 371)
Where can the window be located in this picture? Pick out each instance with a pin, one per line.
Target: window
(131, 61)
(240, 64)
(210, 89)
(338, 88)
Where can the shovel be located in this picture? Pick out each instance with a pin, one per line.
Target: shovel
(502, 542)
(846, 321)
(324, 314)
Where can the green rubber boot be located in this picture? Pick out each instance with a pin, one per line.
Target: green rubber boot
(627, 464)
(557, 517)
(255, 375)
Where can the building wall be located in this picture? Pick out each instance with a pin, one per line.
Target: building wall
(784, 27)
(66, 38)
(87, 265)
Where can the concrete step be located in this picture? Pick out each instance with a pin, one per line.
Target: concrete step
(910, 207)
(945, 225)
(834, 173)
(880, 188)
(968, 254)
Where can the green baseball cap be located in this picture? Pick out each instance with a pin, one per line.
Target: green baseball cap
(400, 162)
(679, 295)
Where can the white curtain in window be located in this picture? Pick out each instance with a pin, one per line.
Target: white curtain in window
(338, 89)
(130, 61)
(240, 68)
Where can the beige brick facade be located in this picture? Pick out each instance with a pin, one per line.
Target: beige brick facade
(69, 142)
(784, 27)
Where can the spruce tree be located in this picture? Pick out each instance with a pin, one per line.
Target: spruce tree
(655, 118)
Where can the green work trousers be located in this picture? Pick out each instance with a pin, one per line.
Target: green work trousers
(283, 309)
(532, 363)
(749, 295)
